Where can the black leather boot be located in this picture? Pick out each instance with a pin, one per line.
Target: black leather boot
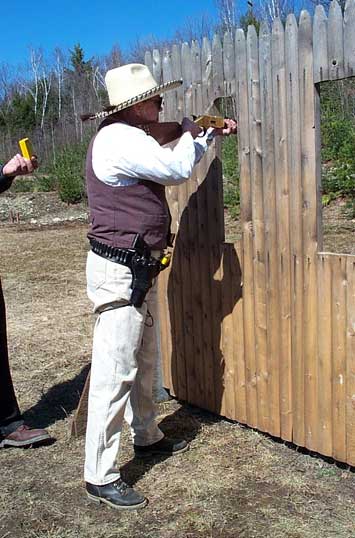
(117, 495)
(164, 447)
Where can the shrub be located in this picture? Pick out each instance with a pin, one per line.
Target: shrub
(46, 183)
(36, 183)
(69, 172)
(231, 191)
(339, 179)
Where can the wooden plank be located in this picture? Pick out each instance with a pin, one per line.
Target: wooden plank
(320, 52)
(296, 226)
(269, 202)
(238, 344)
(339, 303)
(197, 106)
(170, 104)
(217, 68)
(350, 364)
(335, 42)
(77, 426)
(197, 290)
(186, 65)
(228, 404)
(206, 65)
(214, 240)
(246, 223)
(258, 229)
(156, 66)
(186, 76)
(165, 330)
(190, 262)
(176, 69)
(349, 38)
(196, 297)
(209, 319)
(228, 65)
(192, 359)
(324, 404)
(196, 62)
(176, 371)
(212, 263)
(282, 210)
(148, 60)
(308, 108)
(178, 355)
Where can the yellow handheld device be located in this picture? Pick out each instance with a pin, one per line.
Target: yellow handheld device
(26, 148)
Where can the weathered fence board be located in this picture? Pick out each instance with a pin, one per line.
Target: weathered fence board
(282, 262)
(335, 42)
(258, 253)
(310, 218)
(247, 231)
(325, 433)
(350, 363)
(295, 221)
(270, 230)
(339, 355)
(320, 53)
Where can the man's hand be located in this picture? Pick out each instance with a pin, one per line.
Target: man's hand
(19, 166)
(230, 127)
(190, 126)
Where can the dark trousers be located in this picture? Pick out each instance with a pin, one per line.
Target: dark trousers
(10, 416)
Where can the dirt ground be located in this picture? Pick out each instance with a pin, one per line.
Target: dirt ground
(233, 482)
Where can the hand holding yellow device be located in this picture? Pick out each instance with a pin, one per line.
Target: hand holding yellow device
(26, 148)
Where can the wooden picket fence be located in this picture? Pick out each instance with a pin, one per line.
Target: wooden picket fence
(262, 331)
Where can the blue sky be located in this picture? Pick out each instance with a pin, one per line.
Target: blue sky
(96, 25)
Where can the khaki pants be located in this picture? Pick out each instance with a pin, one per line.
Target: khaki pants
(123, 363)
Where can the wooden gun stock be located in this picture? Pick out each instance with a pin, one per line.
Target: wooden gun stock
(164, 132)
(168, 131)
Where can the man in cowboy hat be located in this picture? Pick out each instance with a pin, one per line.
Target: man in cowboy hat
(126, 172)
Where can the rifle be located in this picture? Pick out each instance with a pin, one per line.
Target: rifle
(168, 131)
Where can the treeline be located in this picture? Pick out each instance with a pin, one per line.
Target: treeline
(45, 98)
(46, 104)
(47, 101)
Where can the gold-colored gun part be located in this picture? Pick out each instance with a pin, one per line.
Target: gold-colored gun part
(26, 148)
(210, 121)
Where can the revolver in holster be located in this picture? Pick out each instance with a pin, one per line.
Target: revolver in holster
(144, 269)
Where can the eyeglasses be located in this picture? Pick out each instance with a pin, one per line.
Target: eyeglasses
(158, 100)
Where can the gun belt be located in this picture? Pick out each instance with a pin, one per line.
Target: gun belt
(122, 256)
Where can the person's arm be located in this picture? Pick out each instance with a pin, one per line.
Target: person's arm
(17, 166)
(5, 181)
(174, 166)
(123, 154)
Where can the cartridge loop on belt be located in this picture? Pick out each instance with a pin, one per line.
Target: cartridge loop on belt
(123, 256)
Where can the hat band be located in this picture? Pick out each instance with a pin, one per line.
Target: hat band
(133, 100)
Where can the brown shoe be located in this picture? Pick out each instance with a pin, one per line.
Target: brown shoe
(25, 436)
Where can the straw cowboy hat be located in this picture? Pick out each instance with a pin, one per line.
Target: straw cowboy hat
(128, 85)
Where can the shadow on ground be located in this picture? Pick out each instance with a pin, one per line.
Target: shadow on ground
(184, 423)
(58, 402)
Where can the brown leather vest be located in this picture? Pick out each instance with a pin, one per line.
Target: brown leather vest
(117, 214)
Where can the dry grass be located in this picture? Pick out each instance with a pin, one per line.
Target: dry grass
(232, 483)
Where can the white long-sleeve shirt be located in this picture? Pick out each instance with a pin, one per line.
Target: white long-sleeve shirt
(123, 154)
